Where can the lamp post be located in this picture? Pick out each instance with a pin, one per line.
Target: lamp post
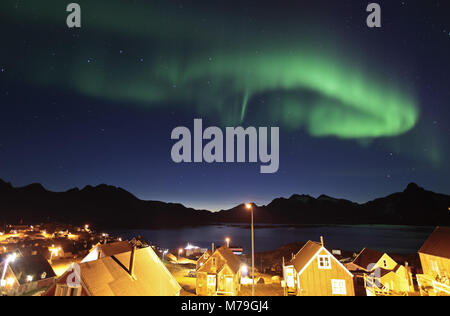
(248, 206)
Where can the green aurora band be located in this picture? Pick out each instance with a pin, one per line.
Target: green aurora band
(221, 75)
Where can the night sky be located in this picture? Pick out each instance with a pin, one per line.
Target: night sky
(362, 112)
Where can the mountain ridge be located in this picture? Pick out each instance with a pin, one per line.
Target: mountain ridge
(108, 206)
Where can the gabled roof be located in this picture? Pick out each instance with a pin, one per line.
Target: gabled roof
(367, 257)
(110, 276)
(115, 248)
(305, 254)
(205, 256)
(230, 259)
(34, 266)
(107, 277)
(438, 244)
(107, 250)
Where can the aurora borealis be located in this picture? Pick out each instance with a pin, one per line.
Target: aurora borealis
(333, 86)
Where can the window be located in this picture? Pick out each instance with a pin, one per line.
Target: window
(211, 280)
(338, 287)
(324, 262)
(64, 290)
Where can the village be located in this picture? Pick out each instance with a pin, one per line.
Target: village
(64, 260)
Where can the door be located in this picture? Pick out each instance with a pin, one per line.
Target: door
(290, 280)
(211, 283)
(229, 288)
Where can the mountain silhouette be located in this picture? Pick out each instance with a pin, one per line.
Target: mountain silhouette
(111, 207)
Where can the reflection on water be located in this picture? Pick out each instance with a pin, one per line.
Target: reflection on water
(393, 239)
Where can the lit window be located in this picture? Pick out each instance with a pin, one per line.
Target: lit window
(324, 262)
(338, 287)
(211, 281)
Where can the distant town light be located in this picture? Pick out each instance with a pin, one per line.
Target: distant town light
(29, 278)
(190, 247)
(227, 240)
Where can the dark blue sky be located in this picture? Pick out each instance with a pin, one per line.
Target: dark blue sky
(66, 125)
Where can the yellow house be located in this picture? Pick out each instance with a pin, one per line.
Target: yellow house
(382, 275)
(220, 274)
(435, 260)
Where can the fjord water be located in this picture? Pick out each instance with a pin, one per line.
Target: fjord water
(393, 239)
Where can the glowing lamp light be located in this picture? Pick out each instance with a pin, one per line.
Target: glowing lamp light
(54, 251)
(244, 270)
(11, 258)
(248, 206)
(10, 281)
(29, 278)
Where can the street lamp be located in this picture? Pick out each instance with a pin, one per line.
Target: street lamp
(9, 259)
(180, 251)
(227, 240)
(248, 206)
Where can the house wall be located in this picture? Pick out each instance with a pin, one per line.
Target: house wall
(209, 269)
(221, 281)
(201, 284)
(432, 265)
(386, 263)
(317, 282)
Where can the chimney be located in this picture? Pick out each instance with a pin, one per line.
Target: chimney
(132, 259)
(321, 240)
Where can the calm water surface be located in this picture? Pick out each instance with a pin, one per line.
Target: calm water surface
(394, 239)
